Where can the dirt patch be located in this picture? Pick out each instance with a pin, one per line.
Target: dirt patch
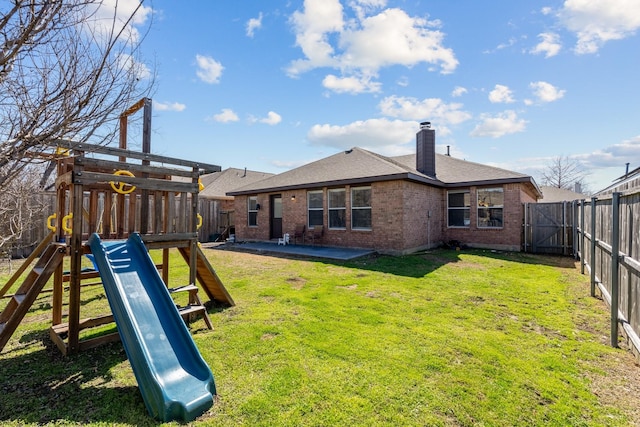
(267, 337)
(297, 282)
(619, 385)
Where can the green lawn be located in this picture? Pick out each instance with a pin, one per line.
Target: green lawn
(443, 338)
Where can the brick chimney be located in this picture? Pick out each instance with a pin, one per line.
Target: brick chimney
(426, 150)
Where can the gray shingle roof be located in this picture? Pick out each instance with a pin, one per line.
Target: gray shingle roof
(362, 166)
(450, 170)
(217, 184)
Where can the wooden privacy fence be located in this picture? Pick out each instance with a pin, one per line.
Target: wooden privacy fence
(548, 228)
(608, 247)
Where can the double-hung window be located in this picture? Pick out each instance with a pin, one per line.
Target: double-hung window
(315, 208)
(252, 211)
(337, 208)
(361, 208)
(458, 208)
(490, 207)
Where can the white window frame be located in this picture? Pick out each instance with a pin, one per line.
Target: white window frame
(489, 206)
(315, 209)
(342, 208)
(250, 210)
(462, 208)
(361, 208)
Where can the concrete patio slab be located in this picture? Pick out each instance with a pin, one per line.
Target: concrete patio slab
(327, 252)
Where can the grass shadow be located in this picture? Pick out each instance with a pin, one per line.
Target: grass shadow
(561, 261)
(76, 389)
(415, 265)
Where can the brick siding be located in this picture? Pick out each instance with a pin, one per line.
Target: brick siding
(406, 216)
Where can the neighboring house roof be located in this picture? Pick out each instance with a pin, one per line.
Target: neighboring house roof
(357, 165)
(555, 194)
(626, 182)
(218, 184)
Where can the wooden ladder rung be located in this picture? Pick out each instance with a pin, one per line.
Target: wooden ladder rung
(191, 309)
(185, 288)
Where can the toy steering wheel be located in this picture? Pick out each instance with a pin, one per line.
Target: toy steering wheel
(122, 187)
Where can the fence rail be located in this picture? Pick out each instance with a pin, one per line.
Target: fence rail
(608, 247)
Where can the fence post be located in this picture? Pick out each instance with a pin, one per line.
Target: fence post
(526, 210)
(582, 202)
(574, 229)
(593, 246)
(615, 250)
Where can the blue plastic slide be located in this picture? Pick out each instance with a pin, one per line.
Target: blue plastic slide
(175, 381)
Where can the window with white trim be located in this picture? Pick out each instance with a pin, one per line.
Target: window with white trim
(458, 208)
(315, 208)
(337, 208)
(490, 207)
(361, 208)
(252, 211)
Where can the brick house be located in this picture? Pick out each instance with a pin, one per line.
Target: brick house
(393, 205)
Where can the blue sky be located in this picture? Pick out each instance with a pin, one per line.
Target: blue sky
(274, 85)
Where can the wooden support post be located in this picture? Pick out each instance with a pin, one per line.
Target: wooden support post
(133, 198)
(166, 224)
(193, 262)
(106, 215)
(58, 290)
(120, 220)
(146, 148)
(93, 211)
(76, 266)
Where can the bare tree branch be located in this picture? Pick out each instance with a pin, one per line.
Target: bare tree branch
(564, 172)
(64, 74)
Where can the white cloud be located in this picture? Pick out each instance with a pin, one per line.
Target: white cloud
(549, 45)
(254, 24)
(511, 42)
(596, 22)
(546, 92)
(313, 27)
(168, 106)
(433, 109)
(503, 124)
(362, 45)
(111, 16)
(139, 69)
(616, 155)
(209, 70)
(403, 81)
(458, 91)
(379, 135)
(271, 119)
(394, 38)
(501, 94)
(351, 85)
(225, 116)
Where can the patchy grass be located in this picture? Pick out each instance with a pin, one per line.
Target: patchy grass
(440, 338)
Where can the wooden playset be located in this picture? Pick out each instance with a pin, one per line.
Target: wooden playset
(113, 192)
